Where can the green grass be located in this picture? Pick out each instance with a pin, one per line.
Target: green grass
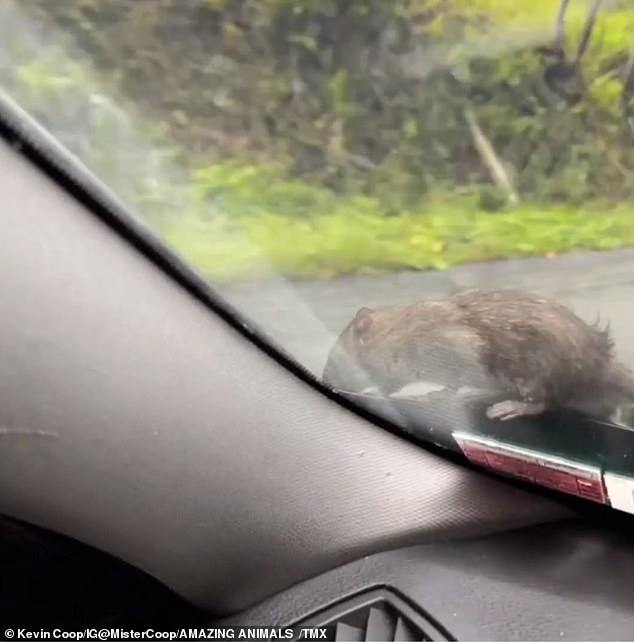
(272, 221)
(357, 238)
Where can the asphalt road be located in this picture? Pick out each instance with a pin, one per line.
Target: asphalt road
(305, 316)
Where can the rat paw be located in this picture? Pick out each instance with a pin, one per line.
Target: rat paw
(505, 410)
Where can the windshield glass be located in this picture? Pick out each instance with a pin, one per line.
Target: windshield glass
(426, 203)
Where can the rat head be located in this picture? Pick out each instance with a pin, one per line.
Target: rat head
(346, 366)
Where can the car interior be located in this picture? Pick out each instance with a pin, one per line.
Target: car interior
(162, 465)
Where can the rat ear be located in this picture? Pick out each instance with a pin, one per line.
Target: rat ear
(362, 324)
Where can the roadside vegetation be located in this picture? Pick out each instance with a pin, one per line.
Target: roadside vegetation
(325, 137)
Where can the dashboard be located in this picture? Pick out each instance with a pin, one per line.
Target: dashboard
(563, 581)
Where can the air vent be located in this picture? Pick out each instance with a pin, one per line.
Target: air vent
(378, 622)
(379, 615)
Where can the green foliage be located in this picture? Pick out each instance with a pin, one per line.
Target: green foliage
(325, 235)
(492, 199)
(241, 191)
(329, 136)
(357, 95)
(355, 236)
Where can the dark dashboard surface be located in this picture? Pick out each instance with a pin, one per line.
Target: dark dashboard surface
(568, 580)
(563, 581)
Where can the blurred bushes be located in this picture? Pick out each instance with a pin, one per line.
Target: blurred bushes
(323, 137)
(368, 96)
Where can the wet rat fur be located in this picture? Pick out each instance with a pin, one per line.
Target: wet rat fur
(534, 351)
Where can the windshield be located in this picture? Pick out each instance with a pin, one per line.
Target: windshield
(429, 204)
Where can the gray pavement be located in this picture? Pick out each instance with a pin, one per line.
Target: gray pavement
(305, 316)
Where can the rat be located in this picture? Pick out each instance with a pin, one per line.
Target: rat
(533, 351)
